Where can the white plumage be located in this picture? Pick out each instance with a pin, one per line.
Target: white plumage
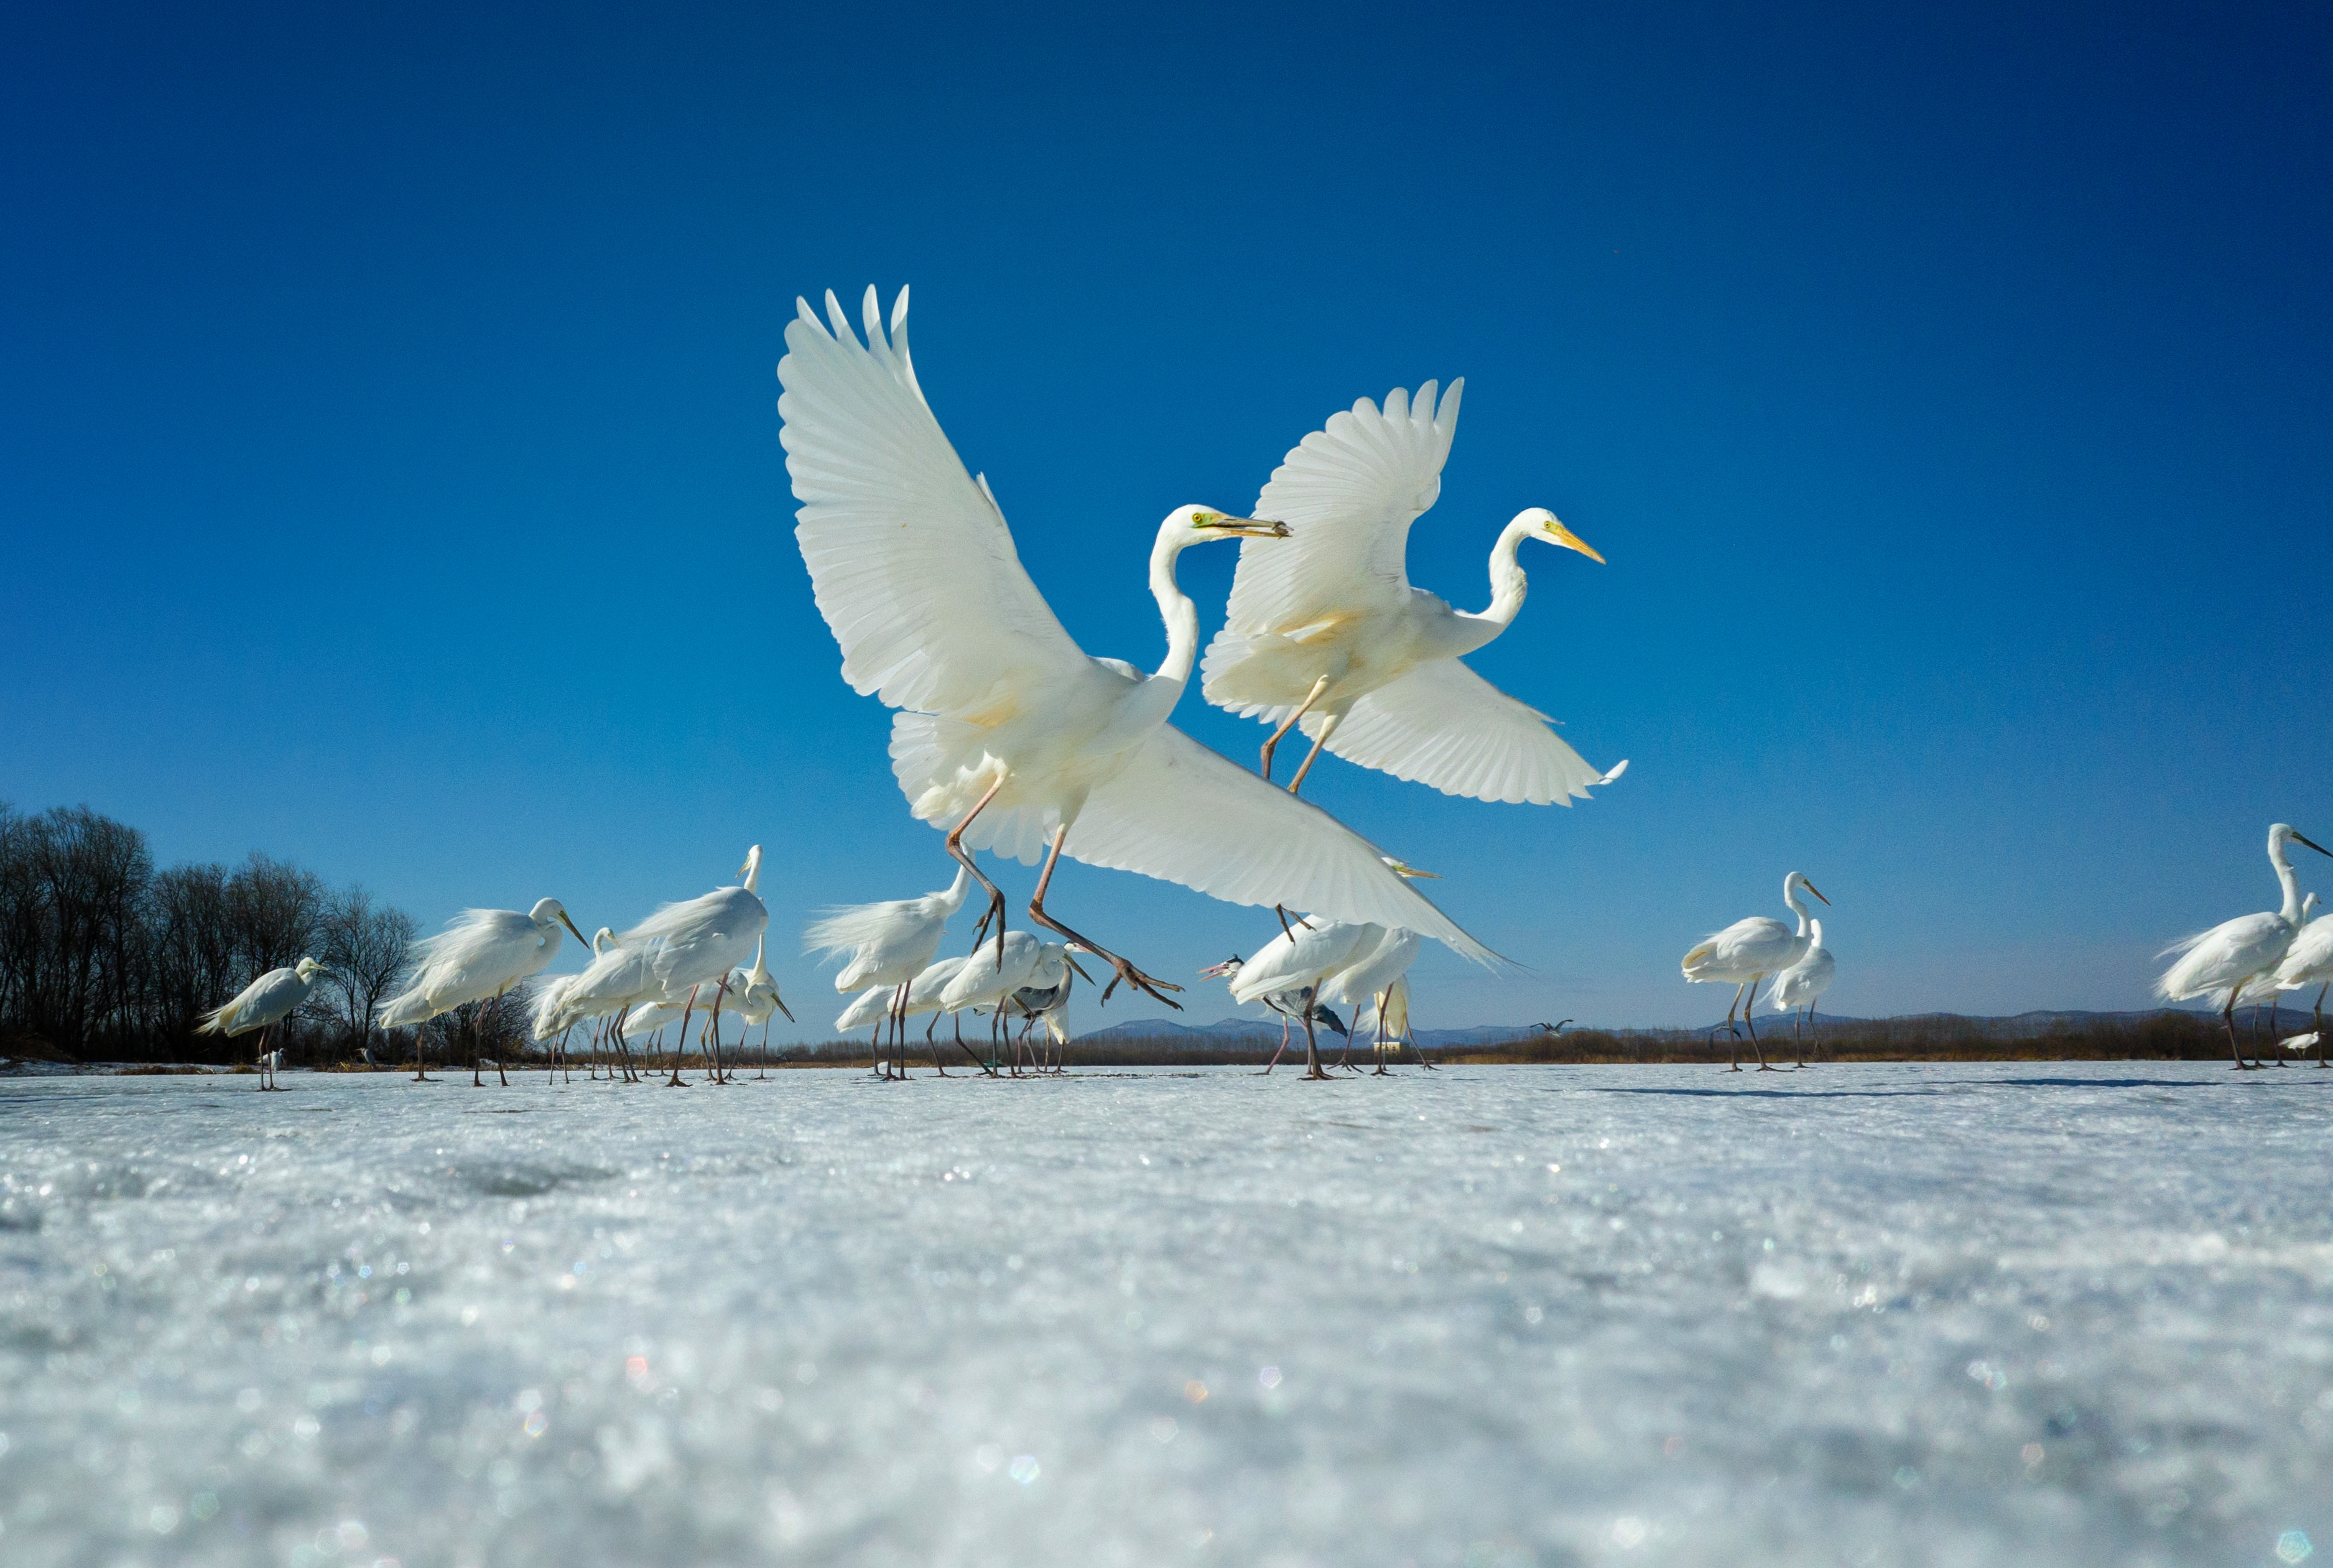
(674, 951)
(988, 977)
(1802, 985)
(481, 953)
(269, 999)
(1287, 973)
(1325, 630)
(1009, 731)
(2243, 954)
(1749, 951)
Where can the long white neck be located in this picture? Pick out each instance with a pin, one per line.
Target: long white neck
(952, 899)
(754, 871)
(1508, 585)
(2287, 878)
(1791, 897)
(1175, 606)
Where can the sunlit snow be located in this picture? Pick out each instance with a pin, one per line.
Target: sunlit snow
(1858, 1315)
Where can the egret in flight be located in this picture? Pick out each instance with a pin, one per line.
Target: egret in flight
(2242, 952)
(1746, 952)
(1802, 985)
(480, 953)
(265, 1002)
(1009, 735)
(1325, 630)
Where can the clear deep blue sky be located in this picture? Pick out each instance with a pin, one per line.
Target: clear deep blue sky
(390, 479)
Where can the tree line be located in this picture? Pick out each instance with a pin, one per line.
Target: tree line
(104, 957)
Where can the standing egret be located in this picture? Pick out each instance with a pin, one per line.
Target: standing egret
(264, 1002)
(1044, 998)
(755, 995)
(1363, 983)
(991, 974)
(1009, 735)
(1286, 973)
(674, 952)
(2244, 952)
(480, 955)
(888, 943)
(1746, 952)
(2309, 958)
(1325, 630)
(1803, 983)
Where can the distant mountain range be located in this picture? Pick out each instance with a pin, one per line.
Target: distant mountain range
(2019, 1026)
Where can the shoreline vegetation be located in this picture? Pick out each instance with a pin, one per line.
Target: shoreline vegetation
(2165, 1037)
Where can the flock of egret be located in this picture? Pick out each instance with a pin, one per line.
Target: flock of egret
(2260, 957)
(1010, 738)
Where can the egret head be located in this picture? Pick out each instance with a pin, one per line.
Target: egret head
(752, 870)
(1798, 879)
(308, 968)
(1198, 524)
(2282, 833)
(1541, 524)
(546, 910)
(603, 938)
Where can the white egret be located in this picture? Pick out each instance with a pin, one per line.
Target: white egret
(1362, 985)
(888, 943)
(265, 1002)
(2310, 960)
(674, 952)
(1045, 999)
(754, 996)
(1286, 974)
(992, 974)
(1324, 629)
(2242, 952)
(1009, 736)
(480, 955)
(1803, 983)
(1746, 952)
(1388, 1022)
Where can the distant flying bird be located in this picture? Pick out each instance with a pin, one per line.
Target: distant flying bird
(1324, 629)
(1749, 951)
(674, 953)
(480, 955)
(1287, 972)
(265, 1002)
(888, 943)
(1802, 985)
(2243, 953)
(1009, 736)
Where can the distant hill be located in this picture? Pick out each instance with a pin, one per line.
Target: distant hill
(2017, 1026)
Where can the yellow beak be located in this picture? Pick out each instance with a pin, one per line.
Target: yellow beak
(1558, 533)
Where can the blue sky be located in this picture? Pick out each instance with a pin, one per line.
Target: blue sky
(390, 479)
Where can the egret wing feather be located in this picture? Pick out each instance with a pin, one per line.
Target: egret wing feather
(1349, 492)
(1445, 726)
(1182, 814)
(910, 558)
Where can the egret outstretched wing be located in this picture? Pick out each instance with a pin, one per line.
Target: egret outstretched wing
(1349, 493)
(1444, 725)
(912, 563)
(1182, 814)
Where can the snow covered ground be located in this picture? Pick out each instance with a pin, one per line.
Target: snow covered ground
(1863, 1315)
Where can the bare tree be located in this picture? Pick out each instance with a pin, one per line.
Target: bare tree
(365, 948)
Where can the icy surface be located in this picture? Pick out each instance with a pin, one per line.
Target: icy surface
(1863, 1315)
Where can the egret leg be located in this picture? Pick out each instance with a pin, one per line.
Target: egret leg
(1276, 1055)
(963, 858)
(1752, 1025)
(499, 1072)
(1126, 971)
(680, 1045)
(1377, 1046)
(1799, 1029)
(1328, 725)
(2275, 1001)
(2228, 1017)
(1273, 744)
(1732, 1036)
(765, 1073)
(1313, 1051)
(2321, 1022)
(1345, 1057)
